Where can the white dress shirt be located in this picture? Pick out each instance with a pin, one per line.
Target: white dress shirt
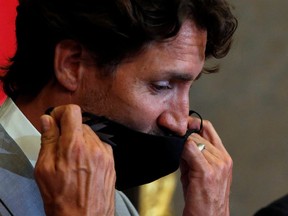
(20, 130)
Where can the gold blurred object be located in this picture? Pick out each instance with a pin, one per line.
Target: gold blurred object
(155, 198)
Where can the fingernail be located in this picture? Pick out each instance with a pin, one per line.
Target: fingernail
(45, 123)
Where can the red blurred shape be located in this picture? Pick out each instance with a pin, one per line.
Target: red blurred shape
(7, 34)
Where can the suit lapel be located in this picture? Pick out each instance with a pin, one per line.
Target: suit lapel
(19, 193)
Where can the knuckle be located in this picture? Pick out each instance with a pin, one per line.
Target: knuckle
(51, 139)
(41, 170)
(229, 162)
(226, 165)
(209, 176)
(86, 127)
(37, 171)
(73, 108)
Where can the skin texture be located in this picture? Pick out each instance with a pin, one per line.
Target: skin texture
(73, 165)
(149, 93)
(206, 176)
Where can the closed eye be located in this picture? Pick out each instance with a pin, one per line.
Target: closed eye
(161, 85)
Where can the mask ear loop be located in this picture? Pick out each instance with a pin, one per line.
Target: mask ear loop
(191, 112)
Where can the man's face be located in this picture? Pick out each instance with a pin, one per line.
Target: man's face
(151, 91)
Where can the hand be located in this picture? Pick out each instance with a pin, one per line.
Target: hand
(206, 176)
(75, 169)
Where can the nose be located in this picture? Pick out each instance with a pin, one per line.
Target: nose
(175, 121)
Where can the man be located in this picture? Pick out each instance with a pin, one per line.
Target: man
(131, 62)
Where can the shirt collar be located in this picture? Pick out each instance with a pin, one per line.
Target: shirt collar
(20, 130)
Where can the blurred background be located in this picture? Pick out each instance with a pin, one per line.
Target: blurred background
(247, 102)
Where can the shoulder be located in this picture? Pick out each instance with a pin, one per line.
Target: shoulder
(123, 206)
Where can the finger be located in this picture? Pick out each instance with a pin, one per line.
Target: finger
(49, 139)
(94, 143)
(209, 133)
(217, 158)
(212, 159)
(89, 134)
(49, 136)
(193, 157)
(208, 146)
(209, 154)
(194, 123)
(69, 118)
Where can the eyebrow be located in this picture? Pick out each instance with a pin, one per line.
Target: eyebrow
(174, 75)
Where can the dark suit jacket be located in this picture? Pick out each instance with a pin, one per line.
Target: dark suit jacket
(278, 207)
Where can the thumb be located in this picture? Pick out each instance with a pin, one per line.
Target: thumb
(49, 131)
(49, 138)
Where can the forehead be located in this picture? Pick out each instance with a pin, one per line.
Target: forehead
(183, 53)
(189, 36)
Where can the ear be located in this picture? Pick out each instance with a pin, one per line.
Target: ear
(67, 63)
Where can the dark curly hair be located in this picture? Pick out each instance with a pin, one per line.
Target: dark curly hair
(113, 30)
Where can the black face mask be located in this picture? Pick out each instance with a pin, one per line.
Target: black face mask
(140, 158)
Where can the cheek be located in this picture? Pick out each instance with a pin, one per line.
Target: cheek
(136, 111)
(95, 101)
